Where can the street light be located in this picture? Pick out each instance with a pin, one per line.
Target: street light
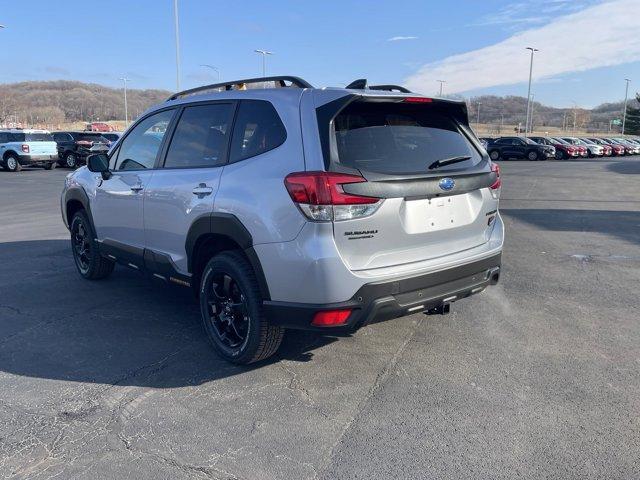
(530, 118)
(526, 126)
(626, 96)
(441, 83)
(215, 69)
(126, 111)
(264, 54)
(175, 21)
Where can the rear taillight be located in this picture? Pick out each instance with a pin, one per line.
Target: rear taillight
(331, 318)
(495, 186)
(320, 196)
(25, 148)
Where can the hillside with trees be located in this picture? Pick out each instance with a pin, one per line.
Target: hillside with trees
(61, 101)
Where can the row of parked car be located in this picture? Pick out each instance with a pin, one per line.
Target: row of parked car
(560, 148)
(41, 148)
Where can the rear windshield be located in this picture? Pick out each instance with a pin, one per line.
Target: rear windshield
(396, 138)
(91, 138)
(32, 137)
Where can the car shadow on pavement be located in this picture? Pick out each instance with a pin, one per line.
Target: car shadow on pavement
(626, 168)
(622, 224)
(124, 330)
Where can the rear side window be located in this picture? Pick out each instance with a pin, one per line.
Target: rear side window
(257, 130)
(200, 138)
(39, 137)
(4, 137)
(395, 138)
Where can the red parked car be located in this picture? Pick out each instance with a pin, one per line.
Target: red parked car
(563, 149)
(98, 127)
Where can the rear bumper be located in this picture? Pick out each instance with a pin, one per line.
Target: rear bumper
(36, 159)
(378, 301)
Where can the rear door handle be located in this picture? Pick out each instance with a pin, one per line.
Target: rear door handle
(136, 188)
(202, 190)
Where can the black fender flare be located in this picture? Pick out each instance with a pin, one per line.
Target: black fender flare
(78, 194)
(226, 225)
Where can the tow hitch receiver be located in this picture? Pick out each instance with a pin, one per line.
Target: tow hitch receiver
(439, 310)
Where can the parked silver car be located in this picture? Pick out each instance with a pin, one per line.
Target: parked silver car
(287, 206)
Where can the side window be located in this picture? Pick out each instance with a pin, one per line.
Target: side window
(140, 148)
(200, 138)
(4, 137)
(257, 130)
(504, 141)
(113, 158)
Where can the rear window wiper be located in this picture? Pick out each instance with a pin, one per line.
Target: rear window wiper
(448, 161)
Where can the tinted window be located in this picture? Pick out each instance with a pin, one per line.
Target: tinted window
(16, 137)
(4, 137)
(200, 138)
(258, 129)
(504, 141)
(38, 137)
(140, 148)
(61, 137)
(399, 138)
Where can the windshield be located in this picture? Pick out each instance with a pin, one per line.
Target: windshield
(397, 138)
(530, 142)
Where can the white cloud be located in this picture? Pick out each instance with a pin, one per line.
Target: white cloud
(598, 36)
(400, 38)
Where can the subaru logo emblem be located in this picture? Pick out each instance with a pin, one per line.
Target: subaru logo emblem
(447, 184)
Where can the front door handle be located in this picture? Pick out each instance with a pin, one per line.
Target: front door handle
(136, 188)
(202, 190)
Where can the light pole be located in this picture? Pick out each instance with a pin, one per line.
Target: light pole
(526, 126)
(626, 96)
(530, 119)
(126, 111)
(441, 83)
(264, 54)
(215, 69)
(177, 29)
(478, 117)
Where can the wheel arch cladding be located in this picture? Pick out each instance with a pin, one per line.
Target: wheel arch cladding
(77, 199)
(216, 232)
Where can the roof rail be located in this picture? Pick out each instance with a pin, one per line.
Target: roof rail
(390, 88)
(281, 79)
(361, 84)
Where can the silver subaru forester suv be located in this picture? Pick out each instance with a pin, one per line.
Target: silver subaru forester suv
(288, 206)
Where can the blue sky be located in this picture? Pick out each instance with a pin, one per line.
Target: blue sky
(587, 47)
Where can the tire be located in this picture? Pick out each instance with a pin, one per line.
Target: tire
(90, 264)
(494, 155)
(70, 160)
(50, 166)
(232, 313)
(12, 163)
(559, 155)
(533, 155)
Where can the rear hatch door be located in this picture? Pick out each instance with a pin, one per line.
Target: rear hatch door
(427, 210)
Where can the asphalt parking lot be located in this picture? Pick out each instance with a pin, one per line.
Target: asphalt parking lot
(538, 377)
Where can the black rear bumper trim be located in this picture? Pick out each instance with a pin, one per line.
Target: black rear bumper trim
(380, 301)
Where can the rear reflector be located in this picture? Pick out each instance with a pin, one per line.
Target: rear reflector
(25, 148)
(418, 100)
(331, 318)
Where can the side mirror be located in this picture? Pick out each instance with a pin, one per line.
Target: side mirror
(99, 163)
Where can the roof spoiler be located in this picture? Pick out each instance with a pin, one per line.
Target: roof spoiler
(280, 81)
